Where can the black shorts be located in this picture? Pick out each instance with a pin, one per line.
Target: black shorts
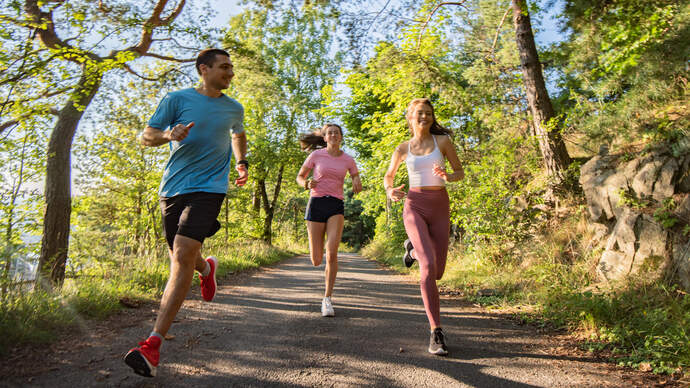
(191, 215)
(320, 209)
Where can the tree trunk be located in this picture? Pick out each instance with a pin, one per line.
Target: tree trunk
(256, 200)
(269, 207)
(268, 218)
(56, 223)
(8, 252)
(553, 150)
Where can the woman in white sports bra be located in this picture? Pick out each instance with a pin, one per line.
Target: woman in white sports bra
(426, 213)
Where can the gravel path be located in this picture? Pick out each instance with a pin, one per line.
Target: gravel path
(266, 330)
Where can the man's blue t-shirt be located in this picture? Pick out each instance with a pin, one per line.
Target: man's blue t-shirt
(200, 162)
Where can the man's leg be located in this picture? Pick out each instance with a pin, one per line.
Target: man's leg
(185, 258)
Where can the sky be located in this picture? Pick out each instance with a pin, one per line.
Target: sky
(547, 33)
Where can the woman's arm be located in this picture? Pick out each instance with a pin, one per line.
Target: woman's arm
(356, 183)
(394, 193)
(302, 178)
(448, 149)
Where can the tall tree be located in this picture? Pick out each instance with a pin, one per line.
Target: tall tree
(551, 144)
(553, 150)
(62, 61)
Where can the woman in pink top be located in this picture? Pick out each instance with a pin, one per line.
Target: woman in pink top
(426, 213)
(325, 211)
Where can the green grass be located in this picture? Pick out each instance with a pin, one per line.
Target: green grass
(35, 317)
(550, 278)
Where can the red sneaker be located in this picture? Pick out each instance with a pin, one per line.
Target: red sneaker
(208, 283)
(144, 359)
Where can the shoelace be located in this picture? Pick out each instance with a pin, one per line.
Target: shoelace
(438, 337)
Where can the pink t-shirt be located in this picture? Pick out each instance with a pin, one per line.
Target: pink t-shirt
(329, 171)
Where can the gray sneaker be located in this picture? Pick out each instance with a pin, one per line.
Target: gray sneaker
(408, 260)
(327, 308)
(437, 343)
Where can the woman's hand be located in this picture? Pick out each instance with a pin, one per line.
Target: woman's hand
(356, 184)
(440, 172)
(396, 193)
(310, 184)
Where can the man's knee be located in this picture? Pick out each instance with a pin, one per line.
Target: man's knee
(185, 253)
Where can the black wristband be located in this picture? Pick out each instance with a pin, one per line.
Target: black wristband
(245, 163)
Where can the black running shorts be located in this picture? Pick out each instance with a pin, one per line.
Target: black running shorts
(320, 209)
(191, 215)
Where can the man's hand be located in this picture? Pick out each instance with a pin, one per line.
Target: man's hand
(179, 132)
(243, 175)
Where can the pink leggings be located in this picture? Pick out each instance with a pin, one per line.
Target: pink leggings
(426, 215)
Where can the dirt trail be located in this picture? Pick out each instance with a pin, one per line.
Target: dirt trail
(266, 330)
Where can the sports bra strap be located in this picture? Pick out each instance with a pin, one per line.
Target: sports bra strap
(435, 147)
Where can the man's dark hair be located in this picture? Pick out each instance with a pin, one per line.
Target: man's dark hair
(208, 57)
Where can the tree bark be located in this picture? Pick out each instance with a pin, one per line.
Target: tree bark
(55, 241)
(553, 150)
(269, 207)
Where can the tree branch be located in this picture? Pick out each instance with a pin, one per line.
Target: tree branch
(130, 70)
(433, 11)
(172, 59)
(45, 30)
(7, 124)
(155, 21)
(371, 24)
(498, 30)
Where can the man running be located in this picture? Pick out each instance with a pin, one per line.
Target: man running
(196, 123)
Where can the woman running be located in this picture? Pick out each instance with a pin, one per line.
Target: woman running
(426, 213)
(325, 211)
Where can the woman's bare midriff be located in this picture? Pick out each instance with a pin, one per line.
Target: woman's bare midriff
(428, 188)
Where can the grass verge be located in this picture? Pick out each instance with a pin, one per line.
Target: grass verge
(549, 279)
(35, 316)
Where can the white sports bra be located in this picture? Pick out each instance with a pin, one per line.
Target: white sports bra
(420, 167)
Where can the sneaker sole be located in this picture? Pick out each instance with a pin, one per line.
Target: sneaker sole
(140, 364)
(439, 352)
(323, 314)
(215, 285)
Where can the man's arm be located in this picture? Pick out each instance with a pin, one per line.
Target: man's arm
(239, 149)
(239, 146)
(153, 137)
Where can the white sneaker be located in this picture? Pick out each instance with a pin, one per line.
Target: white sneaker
(327, 308)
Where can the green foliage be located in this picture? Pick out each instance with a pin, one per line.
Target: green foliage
(282, 59)
(640, 323)
(31, 317)
(483, 203)
(624, 67)
(358, 227)
(664, 214)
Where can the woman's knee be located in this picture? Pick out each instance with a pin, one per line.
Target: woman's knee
(427, 274)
